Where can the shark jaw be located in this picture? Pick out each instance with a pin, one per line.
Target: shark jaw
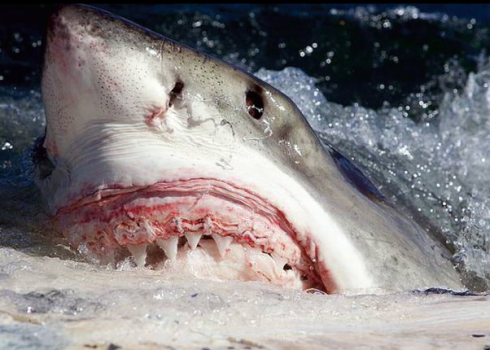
(207, 227)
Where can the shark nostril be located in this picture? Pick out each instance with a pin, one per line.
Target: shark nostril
(179, 86)
(255, 104)
(176, 92)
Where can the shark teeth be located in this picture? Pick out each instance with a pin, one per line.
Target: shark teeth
(223, 243)
(138, 251)
(272, 264)
(169, 246)
(193, 239)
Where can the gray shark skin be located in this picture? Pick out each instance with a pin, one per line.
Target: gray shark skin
(152, 147)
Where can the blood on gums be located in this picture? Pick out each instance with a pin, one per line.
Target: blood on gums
(155, 118)
(112, 207)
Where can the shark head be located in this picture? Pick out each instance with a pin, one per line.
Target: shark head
(157, 151)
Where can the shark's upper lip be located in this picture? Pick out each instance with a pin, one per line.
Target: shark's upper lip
(118, 216)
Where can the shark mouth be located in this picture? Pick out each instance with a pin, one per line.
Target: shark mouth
(207, 227)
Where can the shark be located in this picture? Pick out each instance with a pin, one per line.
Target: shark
(177, 160)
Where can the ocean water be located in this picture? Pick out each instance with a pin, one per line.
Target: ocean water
(402, 91)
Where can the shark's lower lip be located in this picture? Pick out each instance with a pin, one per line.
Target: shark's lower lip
(247, 229)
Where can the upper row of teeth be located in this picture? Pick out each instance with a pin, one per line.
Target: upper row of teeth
(170, 247)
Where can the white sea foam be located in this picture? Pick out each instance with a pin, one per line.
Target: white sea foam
(47, 303)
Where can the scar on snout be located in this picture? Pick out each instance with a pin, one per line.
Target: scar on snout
(155, 118)
(226, 122)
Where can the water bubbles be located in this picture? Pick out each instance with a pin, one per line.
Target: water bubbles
(399, 11)
(254, 51)
(211, 43)
(218, 24)
(6, 146)
(386, 24)
(35, 44)
(308, 50)
(18, 37)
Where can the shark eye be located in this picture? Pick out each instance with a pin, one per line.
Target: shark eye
(255, 104)
(176, 92)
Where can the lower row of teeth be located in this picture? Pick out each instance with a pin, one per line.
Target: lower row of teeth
(170, 247)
